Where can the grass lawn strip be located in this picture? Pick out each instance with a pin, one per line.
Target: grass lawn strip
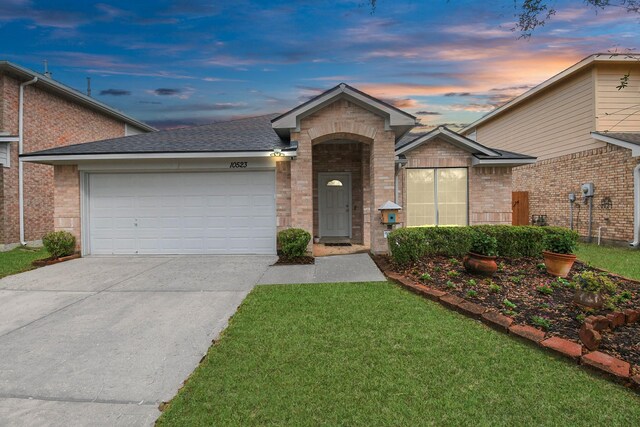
(375, 354)
(619, 260)
(19, 259)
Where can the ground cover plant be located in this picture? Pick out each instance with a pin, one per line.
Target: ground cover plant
(20, 259)
(375, 354)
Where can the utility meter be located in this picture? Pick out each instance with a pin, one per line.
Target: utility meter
(587, 189)
(572, 197)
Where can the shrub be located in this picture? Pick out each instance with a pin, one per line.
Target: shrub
(484, 244)
(515, 241)
(59, 243)
(591, 282)
(293, 242)
(410, 244)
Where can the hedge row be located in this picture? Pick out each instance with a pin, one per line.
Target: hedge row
(410, 244)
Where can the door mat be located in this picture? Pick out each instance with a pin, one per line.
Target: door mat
(337, 244)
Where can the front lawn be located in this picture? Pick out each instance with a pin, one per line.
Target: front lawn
(375, 354)
(623, 261)
(19, 260)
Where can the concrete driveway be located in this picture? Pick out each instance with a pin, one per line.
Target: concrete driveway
(104, 340)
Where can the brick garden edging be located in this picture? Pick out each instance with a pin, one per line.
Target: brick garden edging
(610, 366)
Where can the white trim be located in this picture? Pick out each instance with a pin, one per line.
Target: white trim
(6, 147)
(636, 207)
(501, 162)
(393, 117)
(441, 131)
(598, 57)
(635, 149)
(84, 214)
(321, 200)
(9, 138)
(53, 159)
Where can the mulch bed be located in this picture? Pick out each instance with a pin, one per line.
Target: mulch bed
(301, 260)
(518, 282)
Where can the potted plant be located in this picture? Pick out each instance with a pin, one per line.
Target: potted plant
(481, 258)
(558, 256)
(591, 289)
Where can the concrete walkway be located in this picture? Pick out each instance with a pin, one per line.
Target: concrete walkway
(330, 269)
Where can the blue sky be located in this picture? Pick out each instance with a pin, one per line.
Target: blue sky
(174, 63)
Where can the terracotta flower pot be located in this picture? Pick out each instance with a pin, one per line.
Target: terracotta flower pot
(558, 265)
(480, 264)
(589, 299)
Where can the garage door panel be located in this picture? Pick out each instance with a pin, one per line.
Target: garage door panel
(173, 213)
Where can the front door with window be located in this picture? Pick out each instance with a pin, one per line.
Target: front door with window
(334, 204)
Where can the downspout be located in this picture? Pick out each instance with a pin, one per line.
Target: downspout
(636, 207)
(20, 165)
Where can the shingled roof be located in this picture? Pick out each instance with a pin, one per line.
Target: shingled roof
(249, 134)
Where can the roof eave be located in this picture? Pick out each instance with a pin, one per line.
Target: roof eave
(635, 149)
(53, 159)
(500, 162)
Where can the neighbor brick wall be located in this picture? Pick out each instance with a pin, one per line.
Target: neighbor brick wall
(489, 187)
(343, 120)
(49, 121)
(66, 215)
(342, 157)
(610, 168)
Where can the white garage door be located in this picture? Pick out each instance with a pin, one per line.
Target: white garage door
(182, 213)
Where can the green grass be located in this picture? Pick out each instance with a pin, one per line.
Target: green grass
(19, 260)
(374, 354)
(623, 261)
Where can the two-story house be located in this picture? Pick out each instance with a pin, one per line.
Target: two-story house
(584, 128)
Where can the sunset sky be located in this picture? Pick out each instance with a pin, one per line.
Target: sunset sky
(197, 61)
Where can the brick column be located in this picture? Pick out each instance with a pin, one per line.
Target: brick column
(66, 213)
(382, 185)
(302, 184)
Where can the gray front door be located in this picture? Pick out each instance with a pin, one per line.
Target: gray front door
(334, 204)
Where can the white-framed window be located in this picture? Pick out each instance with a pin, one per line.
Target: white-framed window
(437, 196)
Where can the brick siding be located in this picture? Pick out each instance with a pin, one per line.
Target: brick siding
(343, 120)
(67, 201)
(49, 121)
(610, 168)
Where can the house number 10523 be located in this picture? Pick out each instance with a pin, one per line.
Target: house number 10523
(237, 165)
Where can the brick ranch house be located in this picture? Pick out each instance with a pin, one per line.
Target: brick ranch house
(582, 129)
(38, 113)
(325, 166)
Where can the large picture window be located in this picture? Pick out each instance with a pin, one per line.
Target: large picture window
(437, 196)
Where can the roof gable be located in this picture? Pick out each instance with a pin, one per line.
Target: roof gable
(449, 136)
(395, 119)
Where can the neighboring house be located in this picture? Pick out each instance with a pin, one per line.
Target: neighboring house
(583, 129)
(325, 166)
(38, 113)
